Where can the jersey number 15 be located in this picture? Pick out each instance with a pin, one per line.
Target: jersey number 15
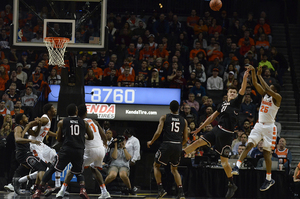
(175, 127)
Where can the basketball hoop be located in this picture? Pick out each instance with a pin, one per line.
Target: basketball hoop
(56, 47)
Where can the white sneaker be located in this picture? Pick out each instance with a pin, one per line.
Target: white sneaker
(60, 194)
(9, 187)
(104, 195)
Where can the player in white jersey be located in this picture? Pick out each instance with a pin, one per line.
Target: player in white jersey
(44, 152)
(265, 128)
(94, 153)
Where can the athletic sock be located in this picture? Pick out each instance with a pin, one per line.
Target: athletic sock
(268, 176)
(64, 187)
(57, 179)
(159, 185)
(239, 163)
(82, 185)
(230, 180)
(180, 189)
(103, 188)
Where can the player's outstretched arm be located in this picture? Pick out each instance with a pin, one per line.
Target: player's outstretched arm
(89, 131)
(158, 131)
(208, 120)
(257, 86)
(268, 90)
(19, 136)
(185, 133)
(244, 83)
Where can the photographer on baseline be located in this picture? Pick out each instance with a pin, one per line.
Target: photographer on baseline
(119, 163)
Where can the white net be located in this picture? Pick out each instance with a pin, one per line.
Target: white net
(56, 47)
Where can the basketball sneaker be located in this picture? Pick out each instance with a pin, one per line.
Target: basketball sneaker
(267, 184)
(50, 190)
(9, 187)
(231, 190)
(235, 170)
(37, 194)
(83, 194)
(16, 185)
(104, 195)
(161, 193)
(180, 195)
(60, 194)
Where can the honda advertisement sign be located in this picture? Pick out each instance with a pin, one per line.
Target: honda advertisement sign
(126, 112)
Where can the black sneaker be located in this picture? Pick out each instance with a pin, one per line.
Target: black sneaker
(132, 191)
(49, 191)
(267, 184)
(235, 171)
(161, 193)
(180, 195)
(16, 185)
(231, 190)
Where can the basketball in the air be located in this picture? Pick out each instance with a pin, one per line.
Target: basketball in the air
(215, 5)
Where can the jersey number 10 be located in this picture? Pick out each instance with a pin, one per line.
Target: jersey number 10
(75, 130)
(175, 127)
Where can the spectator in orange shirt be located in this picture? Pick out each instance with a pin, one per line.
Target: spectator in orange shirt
(192, 20)
(265, 26)
(246, 35)
(215, 53)
(97, 71)
(262, 42)
(126, 79)
(200, 27)
(246, 47)
(214, 27)
(5, 65)
(194, 52)
(111, 65)
(131, 51)
(3, 79)
(146, 52)
(161, 52)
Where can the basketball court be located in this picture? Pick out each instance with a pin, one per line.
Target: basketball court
(12, 195)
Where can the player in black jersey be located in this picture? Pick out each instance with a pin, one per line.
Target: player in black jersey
(222, 135)
(23, 154)
(71, 132)
(175, 135)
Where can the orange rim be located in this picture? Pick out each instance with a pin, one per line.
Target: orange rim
(58, 42)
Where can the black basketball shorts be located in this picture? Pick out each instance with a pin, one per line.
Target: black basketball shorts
(221, 140)
(168, 153)
(70, 155)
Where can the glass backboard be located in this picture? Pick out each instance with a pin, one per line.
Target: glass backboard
(83, 22)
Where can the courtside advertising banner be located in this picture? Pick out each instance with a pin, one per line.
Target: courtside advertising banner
(124, 95)
(126, 112)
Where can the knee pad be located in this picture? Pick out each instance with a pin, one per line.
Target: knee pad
(226, 151)
(36, 164)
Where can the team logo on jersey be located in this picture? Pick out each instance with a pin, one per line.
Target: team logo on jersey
(103, 111)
